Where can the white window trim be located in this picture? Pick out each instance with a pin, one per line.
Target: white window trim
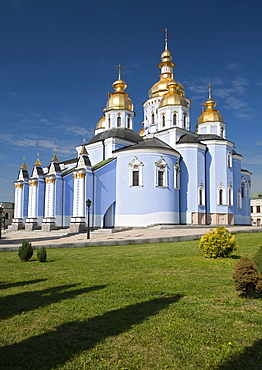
(229, 159)
(161, 163)
(139, 167)
(223, 196)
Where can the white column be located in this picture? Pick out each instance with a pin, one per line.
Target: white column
(81, 195)
(75, 200)
(32, 201)
(49, 197)
(18, 201)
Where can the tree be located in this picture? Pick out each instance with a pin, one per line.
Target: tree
(246, 277)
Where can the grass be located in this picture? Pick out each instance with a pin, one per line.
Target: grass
(151, 306)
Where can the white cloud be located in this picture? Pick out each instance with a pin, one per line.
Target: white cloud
(232, 67)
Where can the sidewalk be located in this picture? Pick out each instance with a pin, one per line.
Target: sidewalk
(12, 240)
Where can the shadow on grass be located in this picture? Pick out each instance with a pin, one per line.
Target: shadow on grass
(54, 348)
(249, 359)
(11, 305)
(19, 283)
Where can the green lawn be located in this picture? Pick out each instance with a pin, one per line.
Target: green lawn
(152, 306)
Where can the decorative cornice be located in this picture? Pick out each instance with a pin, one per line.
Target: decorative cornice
(33, 183)
(19, 185)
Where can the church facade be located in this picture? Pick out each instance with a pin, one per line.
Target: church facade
(165, 175)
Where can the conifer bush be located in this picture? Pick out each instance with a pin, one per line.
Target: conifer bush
(258, 259)
(218, 242)
(41, 254)
(25, 252)
(246, 277)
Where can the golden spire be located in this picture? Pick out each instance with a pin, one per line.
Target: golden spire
(83, 150)
(23, 166)
(38, 162)
(55, 159)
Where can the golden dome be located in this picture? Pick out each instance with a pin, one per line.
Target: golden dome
(210, 114)
(119, 99)
(100, 123)
(160, 88)
(173, 96)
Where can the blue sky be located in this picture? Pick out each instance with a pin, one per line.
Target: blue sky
(58, 60)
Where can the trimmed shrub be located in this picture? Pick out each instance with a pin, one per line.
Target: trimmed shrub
(246, 277)
(218, 242)
(258, 259)
(25, 252)
(41, 254)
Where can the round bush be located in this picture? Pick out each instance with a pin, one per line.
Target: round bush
(25, 252)
(218, 242)
(246, 277)
(41, 254)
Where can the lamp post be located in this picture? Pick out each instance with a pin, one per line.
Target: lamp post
(88, 204)
(1, 215)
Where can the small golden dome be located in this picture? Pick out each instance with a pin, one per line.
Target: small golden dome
(173, 96)
(210, 114)
(141, 132)
(101, 123)
(119, 99)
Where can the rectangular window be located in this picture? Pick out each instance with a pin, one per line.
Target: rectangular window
(258, 209)
(160, 181)
(135, 178)
(251, 209)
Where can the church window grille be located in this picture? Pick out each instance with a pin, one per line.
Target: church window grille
(118, 122)
(160, 179)
(174, 119)
(135, 178)
(163, 120)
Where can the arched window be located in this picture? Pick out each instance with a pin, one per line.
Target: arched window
(184, 120)
(163, 120)
(152, 118)
(229, 159)
(201, 196)
(174, 119)
(239, 201)
(118, 122)
(221, 196)
(230, 196)
(109, 122)
(243, 190)
(128, 121)
(222, 132)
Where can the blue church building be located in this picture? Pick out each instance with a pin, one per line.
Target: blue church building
(167, 174)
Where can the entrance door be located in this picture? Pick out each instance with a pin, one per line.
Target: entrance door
(109, 217)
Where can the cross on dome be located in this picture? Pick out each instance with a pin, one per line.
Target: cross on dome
(119, 71)
(166, 37)
(209, 91)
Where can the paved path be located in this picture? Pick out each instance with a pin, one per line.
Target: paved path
(11, 240)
